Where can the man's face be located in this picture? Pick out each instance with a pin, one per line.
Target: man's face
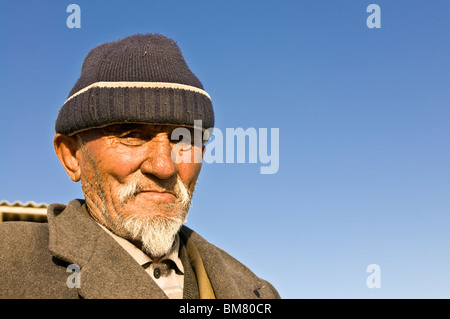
(128, 174)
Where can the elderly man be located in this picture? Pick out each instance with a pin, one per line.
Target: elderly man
(118, 134)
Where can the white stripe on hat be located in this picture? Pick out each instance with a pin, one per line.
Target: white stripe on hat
(159, 85)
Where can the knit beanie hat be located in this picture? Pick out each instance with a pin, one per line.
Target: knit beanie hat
(138, 79)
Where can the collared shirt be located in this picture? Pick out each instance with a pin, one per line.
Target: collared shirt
(168, 273)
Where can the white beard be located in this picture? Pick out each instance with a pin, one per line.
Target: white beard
(157, 235)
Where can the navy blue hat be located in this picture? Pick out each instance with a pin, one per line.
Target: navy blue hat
(139, 79)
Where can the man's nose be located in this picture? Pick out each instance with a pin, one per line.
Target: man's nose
(159, 162)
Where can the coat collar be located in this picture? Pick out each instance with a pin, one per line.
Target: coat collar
(107, 270)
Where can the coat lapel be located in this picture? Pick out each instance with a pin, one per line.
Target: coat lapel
(107, 270)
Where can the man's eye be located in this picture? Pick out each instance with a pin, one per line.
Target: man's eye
(184, 146)
(180, 145)
(133, 137)
(132, 134)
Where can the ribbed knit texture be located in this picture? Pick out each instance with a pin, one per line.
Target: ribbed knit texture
(138, 58)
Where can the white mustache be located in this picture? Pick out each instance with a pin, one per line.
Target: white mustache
(129, 190)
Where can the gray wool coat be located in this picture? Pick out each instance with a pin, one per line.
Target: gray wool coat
(34, 260)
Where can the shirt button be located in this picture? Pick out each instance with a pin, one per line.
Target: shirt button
(157, 273)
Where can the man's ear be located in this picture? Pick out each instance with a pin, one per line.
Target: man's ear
(66, 148)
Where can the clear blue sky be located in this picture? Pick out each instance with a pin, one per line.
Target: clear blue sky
(363, 116)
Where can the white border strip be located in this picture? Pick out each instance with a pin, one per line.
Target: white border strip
(159, 85)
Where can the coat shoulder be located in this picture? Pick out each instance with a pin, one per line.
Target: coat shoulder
(28, 268)
(16, 235)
